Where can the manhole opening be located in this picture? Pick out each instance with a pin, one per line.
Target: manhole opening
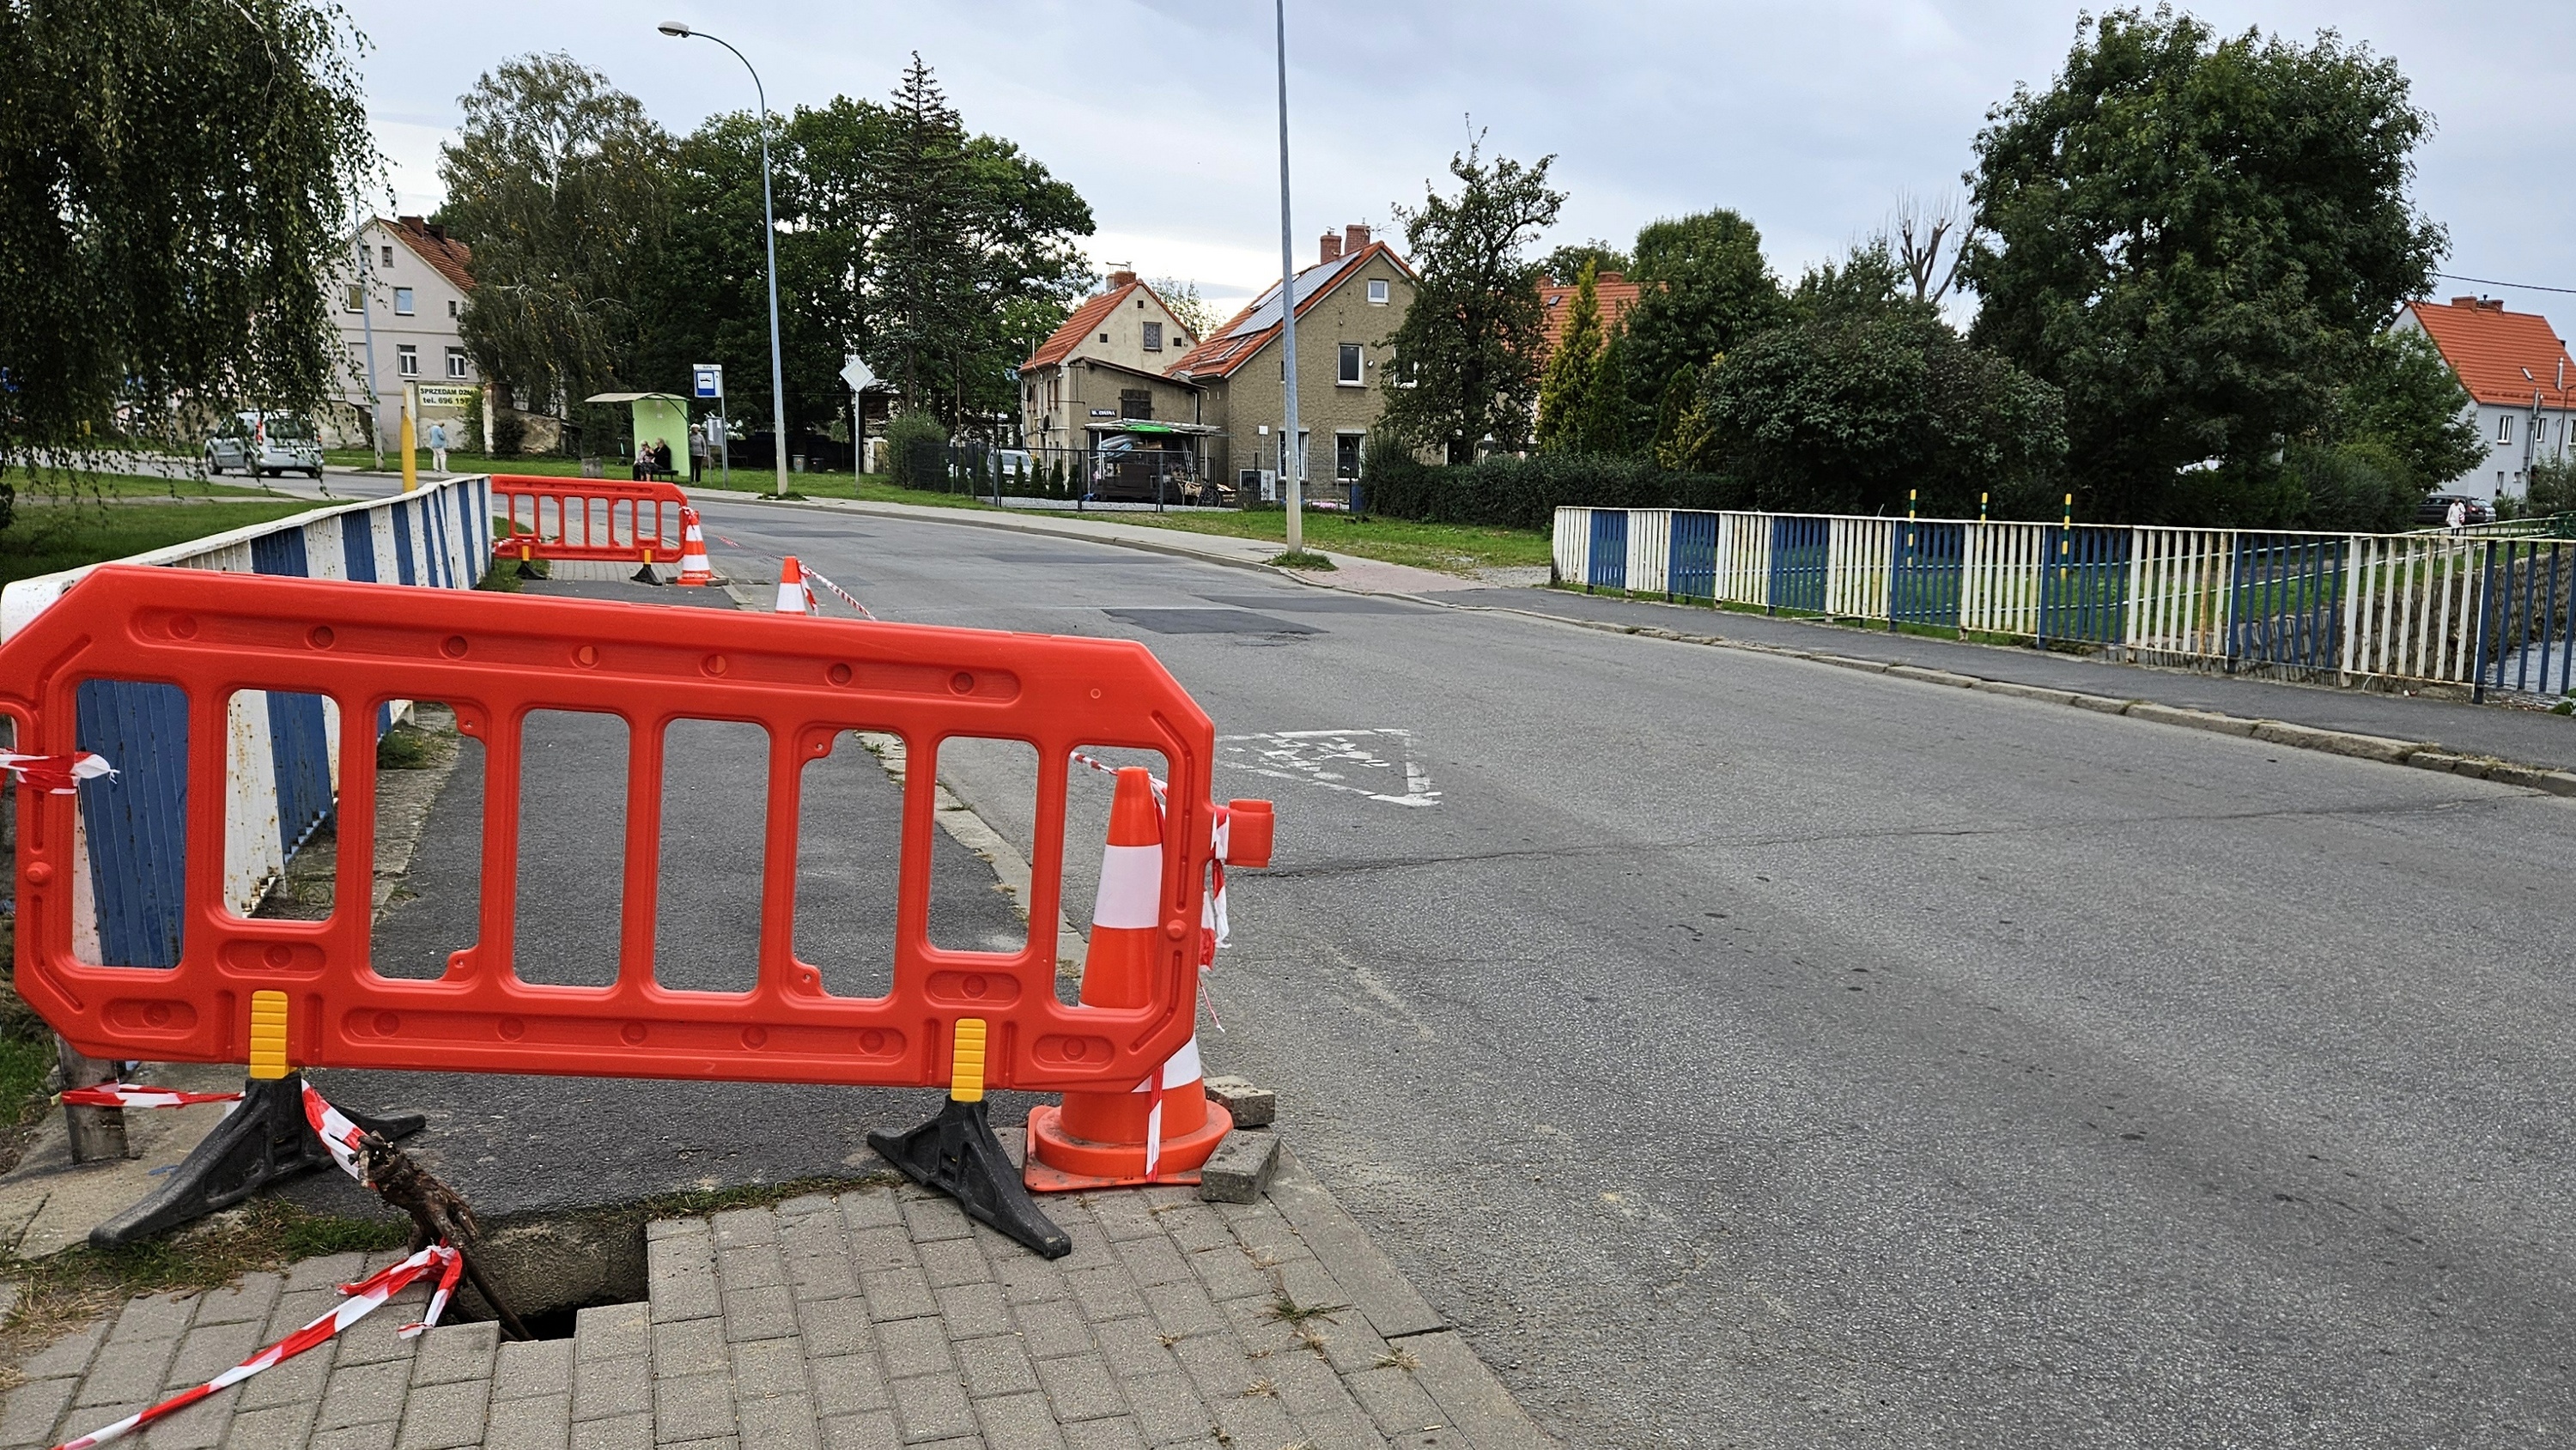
(550, 1269)
(559, 1323)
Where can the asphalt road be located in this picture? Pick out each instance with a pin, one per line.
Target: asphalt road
(1747, 1052)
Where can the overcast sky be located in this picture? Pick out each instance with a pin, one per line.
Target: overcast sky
(1809, 119)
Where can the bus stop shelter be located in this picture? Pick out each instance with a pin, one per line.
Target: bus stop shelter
(658, 418)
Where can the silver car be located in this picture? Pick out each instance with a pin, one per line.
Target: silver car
(265, 443)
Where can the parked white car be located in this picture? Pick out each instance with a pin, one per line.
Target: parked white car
(265, 443)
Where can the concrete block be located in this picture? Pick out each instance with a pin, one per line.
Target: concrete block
(129, 1371)
(1153, 1261)
(1134, 1347)
(282, 1427)
(245, 1302)
(329, 1271)
(931, 1407)
(1474, 1400)
(2020, 691)
(1053, 1328)
(935, 1218)
(1241, 1168)
(153, 1316)
(759, 1314)
(1367, 1279)
(444, 1416)
(604, 1389)
(1249, 1106)
(298, 1381)
(783, 1422)
(2209, 720)
(694, 1407)
(947, 1262)
(871, 1208)
(1933, 677)
(622, 1432)
(455, 1352)
(528, 1368)
(68, 1355)
(760, 1266)
(2336, 742)
(740, 1227)
(33, 1408)
(2555, 782)
(1117, 1433)
(1168, 1409)
(915, 1347)
(1184, 1309)
(847, 1384)
(1079, 1387)
(871, 1431)
(2103, 703)
(374, 1435)
(612, 1331)
(695, 1346)
(835, 1327)
(898, 1294)
(1393, 1400)
(531, 1424)
(997, 1364)
(1019, 1421)
(768, 1369)
(209, 1350)
(1105, 1293)
(364, 1394)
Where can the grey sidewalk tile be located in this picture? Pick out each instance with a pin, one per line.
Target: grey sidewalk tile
(935, 1218)
(1134, 1347)
(246, 1302)
(1309, 1387)
(374, 1435)
(1228, 1273)
(954, 1261)
(688, 1246)
(1185, 1309)
(809, 1205)
(848, 1384)
(612, 1331)
(298, 1307)
(914, 1347)
(32, 1410)
(873, 1250)
(1259, 1328)
(1339, 1430)
(759, 1314)
(897, 1294)
(1118, 1434)
(696, 1346)
(832, 1327)
(298, 1381)
(931, 1407)
(329, 1272)
(1475, 1401)
(768, 1369)
(374, 1340)
(125, 1371)
(1219, 1366)
(1168, 1408)
(1195, 1227)
(692, 1408)
(870, 1208)
(1367, 1278)
(444, 1416)
(530, 1367)
(454, 1352)
(364, 1394)
(153, 1316)
(961, 1442)
(279, 1427)
(736, 1227)
(1021, 1422)
(872, 1431)
(785, 1422)
(1351, 1346)
(822, 1276)
(622, 1432)
(1079, 1387)
(658, 1229)
(1312, 1286)
(201, 1426)
(1053, 1328)
(1394, 1402)
(683, 1296)
(996, 1365)
(541, 1423)
(1152, 1261)
(719, 1442)
(1266, 1235)
(1105, 1293)
(68, 1355)
(1123, 1214)
(973, 1309)
(1081, 1228)
(1254, 1420)
(1028, 1279)
(760, 1266)
(604, 1389)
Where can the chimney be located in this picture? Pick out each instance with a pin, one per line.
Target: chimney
(1354, 237)
(2491, 304)
(412, 222)
(1122, 278)
(2464, 302)
(1330, 247)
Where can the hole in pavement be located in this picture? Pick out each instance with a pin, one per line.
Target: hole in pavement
(1208, 621)
(560, 1323)
(550, 1269)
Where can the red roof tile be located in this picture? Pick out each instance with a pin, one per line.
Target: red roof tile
(2489, 348)
(1231, 346)
(450, 258)
(1061, 342)
(1616, 293)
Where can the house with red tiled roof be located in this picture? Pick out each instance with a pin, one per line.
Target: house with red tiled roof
(1106, 369)
(1616, 295)
(1349, 304)
(401, 303)
(2519, 379)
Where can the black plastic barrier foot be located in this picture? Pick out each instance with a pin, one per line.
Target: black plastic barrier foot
(957, 1154)
(262, 1141)
(646, 575)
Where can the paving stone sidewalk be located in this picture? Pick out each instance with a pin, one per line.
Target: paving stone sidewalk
(871, 1318)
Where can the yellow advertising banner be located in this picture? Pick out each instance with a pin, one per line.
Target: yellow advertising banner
(450, 395)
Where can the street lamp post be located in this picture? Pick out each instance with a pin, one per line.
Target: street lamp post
(1290, 455)
(769, 234)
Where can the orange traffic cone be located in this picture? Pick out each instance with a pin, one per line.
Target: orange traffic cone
(1163, 1129)
(793, 597)
(694, 569)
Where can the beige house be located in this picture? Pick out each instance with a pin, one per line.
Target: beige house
(1106, 367)
(1348, 306)
(405, 283)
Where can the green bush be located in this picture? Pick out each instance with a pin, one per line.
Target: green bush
(2552, 487)
(918, 448)
(509, 434)
(1525, 493)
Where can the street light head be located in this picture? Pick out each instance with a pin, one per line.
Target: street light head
(673, 28)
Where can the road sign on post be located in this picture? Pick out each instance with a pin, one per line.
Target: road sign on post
(860, 379)
(706, 380)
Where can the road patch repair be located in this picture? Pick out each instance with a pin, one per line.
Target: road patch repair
(875, 1312)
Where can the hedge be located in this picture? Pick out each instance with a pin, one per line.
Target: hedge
(1525, 493)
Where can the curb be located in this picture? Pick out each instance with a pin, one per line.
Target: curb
(2417, 754)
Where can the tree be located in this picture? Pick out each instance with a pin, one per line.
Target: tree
(1681, 425)
(174, 178)
(562, 186)
(1930, 242)
(1703, 287)
(2403, 397)
(1181, 298)
(2195, 238)
(1566, 263)
(1565, 390)
(1468, 349)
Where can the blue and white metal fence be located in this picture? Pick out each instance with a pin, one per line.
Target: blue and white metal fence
(2487, 612)
(284, 750)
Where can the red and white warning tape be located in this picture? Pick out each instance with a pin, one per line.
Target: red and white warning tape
(363, 1298)
(815, 576)
(56, 774)
(134, 1095)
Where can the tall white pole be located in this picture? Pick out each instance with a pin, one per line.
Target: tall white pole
(1290, 454)
(769, 234)
(367, 323)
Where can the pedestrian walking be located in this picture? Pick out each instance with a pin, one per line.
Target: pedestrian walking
(2457, 515)
(438, 448)
(697, 451)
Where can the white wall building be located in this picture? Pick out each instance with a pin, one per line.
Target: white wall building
(410, 295)
(2520, 381)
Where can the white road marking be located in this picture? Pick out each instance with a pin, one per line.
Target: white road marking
(1363, 762)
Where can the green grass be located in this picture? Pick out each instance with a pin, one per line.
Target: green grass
(38, 490)
(47, 538)
(1447, 548)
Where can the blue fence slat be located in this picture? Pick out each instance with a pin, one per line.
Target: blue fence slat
(2084, 584)
(404, 571)
(2524, 644)
(1690, 568)
(358, 547)
(136, 825)
(299, 737)
(1609, 549)
(2286, 603)
(1928, 562)
(1798, 560)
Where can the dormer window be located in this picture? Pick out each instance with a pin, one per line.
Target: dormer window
(1153, 336)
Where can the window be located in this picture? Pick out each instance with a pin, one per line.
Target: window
(1349, 375)
(1377, 291)
(1153, 337)
(407, 360)
(454, 307)
(1104, 337)
(1301, 455)
(389, 254)
(356, 301)
(1346, 455)
(2504, 427)
(402, 302)
(456, 362)
(1135, 403)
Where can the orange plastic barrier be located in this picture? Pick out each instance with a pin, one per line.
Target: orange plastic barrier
(608, 520)
(808, 682)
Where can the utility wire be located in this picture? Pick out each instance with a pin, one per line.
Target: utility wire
(2517, 286)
